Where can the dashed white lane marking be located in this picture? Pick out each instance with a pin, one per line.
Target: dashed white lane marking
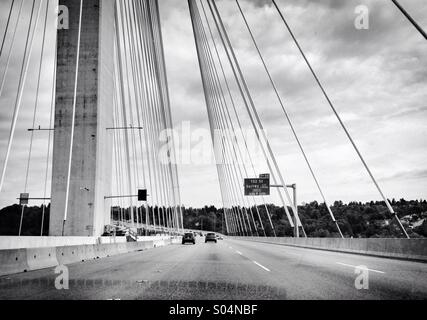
(351, 266)
(258, 264)
(261, 266)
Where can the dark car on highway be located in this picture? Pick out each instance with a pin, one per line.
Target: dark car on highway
(188, 237)
(210, 237)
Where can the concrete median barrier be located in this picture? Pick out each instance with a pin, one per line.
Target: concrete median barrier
(7, 242)
(106, 250)
(140, 246)
(13, 261)
(74, 254)
(67, 255)
(406, 249)
(41, 258)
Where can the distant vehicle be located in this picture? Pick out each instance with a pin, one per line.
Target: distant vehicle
(211, 237)
(121, 232)
(219, 237)
(188, 237)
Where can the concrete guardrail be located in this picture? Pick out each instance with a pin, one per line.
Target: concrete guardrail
(20, 260)
(406, 249)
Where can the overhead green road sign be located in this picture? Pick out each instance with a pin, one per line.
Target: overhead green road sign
(257, 187)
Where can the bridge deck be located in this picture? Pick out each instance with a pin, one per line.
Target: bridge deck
(232, 269)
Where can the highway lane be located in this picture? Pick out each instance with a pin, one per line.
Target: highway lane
(316, 274)
(229, 270)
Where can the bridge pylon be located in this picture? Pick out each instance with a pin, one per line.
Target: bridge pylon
(88, 179)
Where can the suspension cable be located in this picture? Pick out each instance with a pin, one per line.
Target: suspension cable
(9, 55)
(144, 115)
(411, 20)
(222, 166)
(22, 80)
(225, 119)
(223, 123)
(30, 151)
(7, 27)
(390, 208)
(205, 87)
(239, 75)
(310, 167)
(165, 87)
(141, 97)
(52, 111)
(236, 116)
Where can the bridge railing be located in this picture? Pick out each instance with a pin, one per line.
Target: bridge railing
(406, 249)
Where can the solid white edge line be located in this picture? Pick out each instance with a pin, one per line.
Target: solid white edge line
(351, 266)
(261, 266)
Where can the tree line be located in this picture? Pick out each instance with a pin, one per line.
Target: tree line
(356, 219)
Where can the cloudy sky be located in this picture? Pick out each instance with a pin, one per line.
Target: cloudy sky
(377, 79)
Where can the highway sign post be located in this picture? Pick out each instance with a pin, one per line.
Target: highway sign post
(294, 188)
(261, 187)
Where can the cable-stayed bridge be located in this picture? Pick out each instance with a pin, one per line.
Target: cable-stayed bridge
(111, 164)
(110, 104)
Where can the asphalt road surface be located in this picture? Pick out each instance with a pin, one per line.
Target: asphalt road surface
(228, 270)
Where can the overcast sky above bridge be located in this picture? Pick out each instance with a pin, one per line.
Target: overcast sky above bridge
(377, 79)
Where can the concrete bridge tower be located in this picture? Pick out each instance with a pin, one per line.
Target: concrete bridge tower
(91, 163)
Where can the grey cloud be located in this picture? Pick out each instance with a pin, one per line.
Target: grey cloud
(368, 74)
(407, 112)
(407, 175)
